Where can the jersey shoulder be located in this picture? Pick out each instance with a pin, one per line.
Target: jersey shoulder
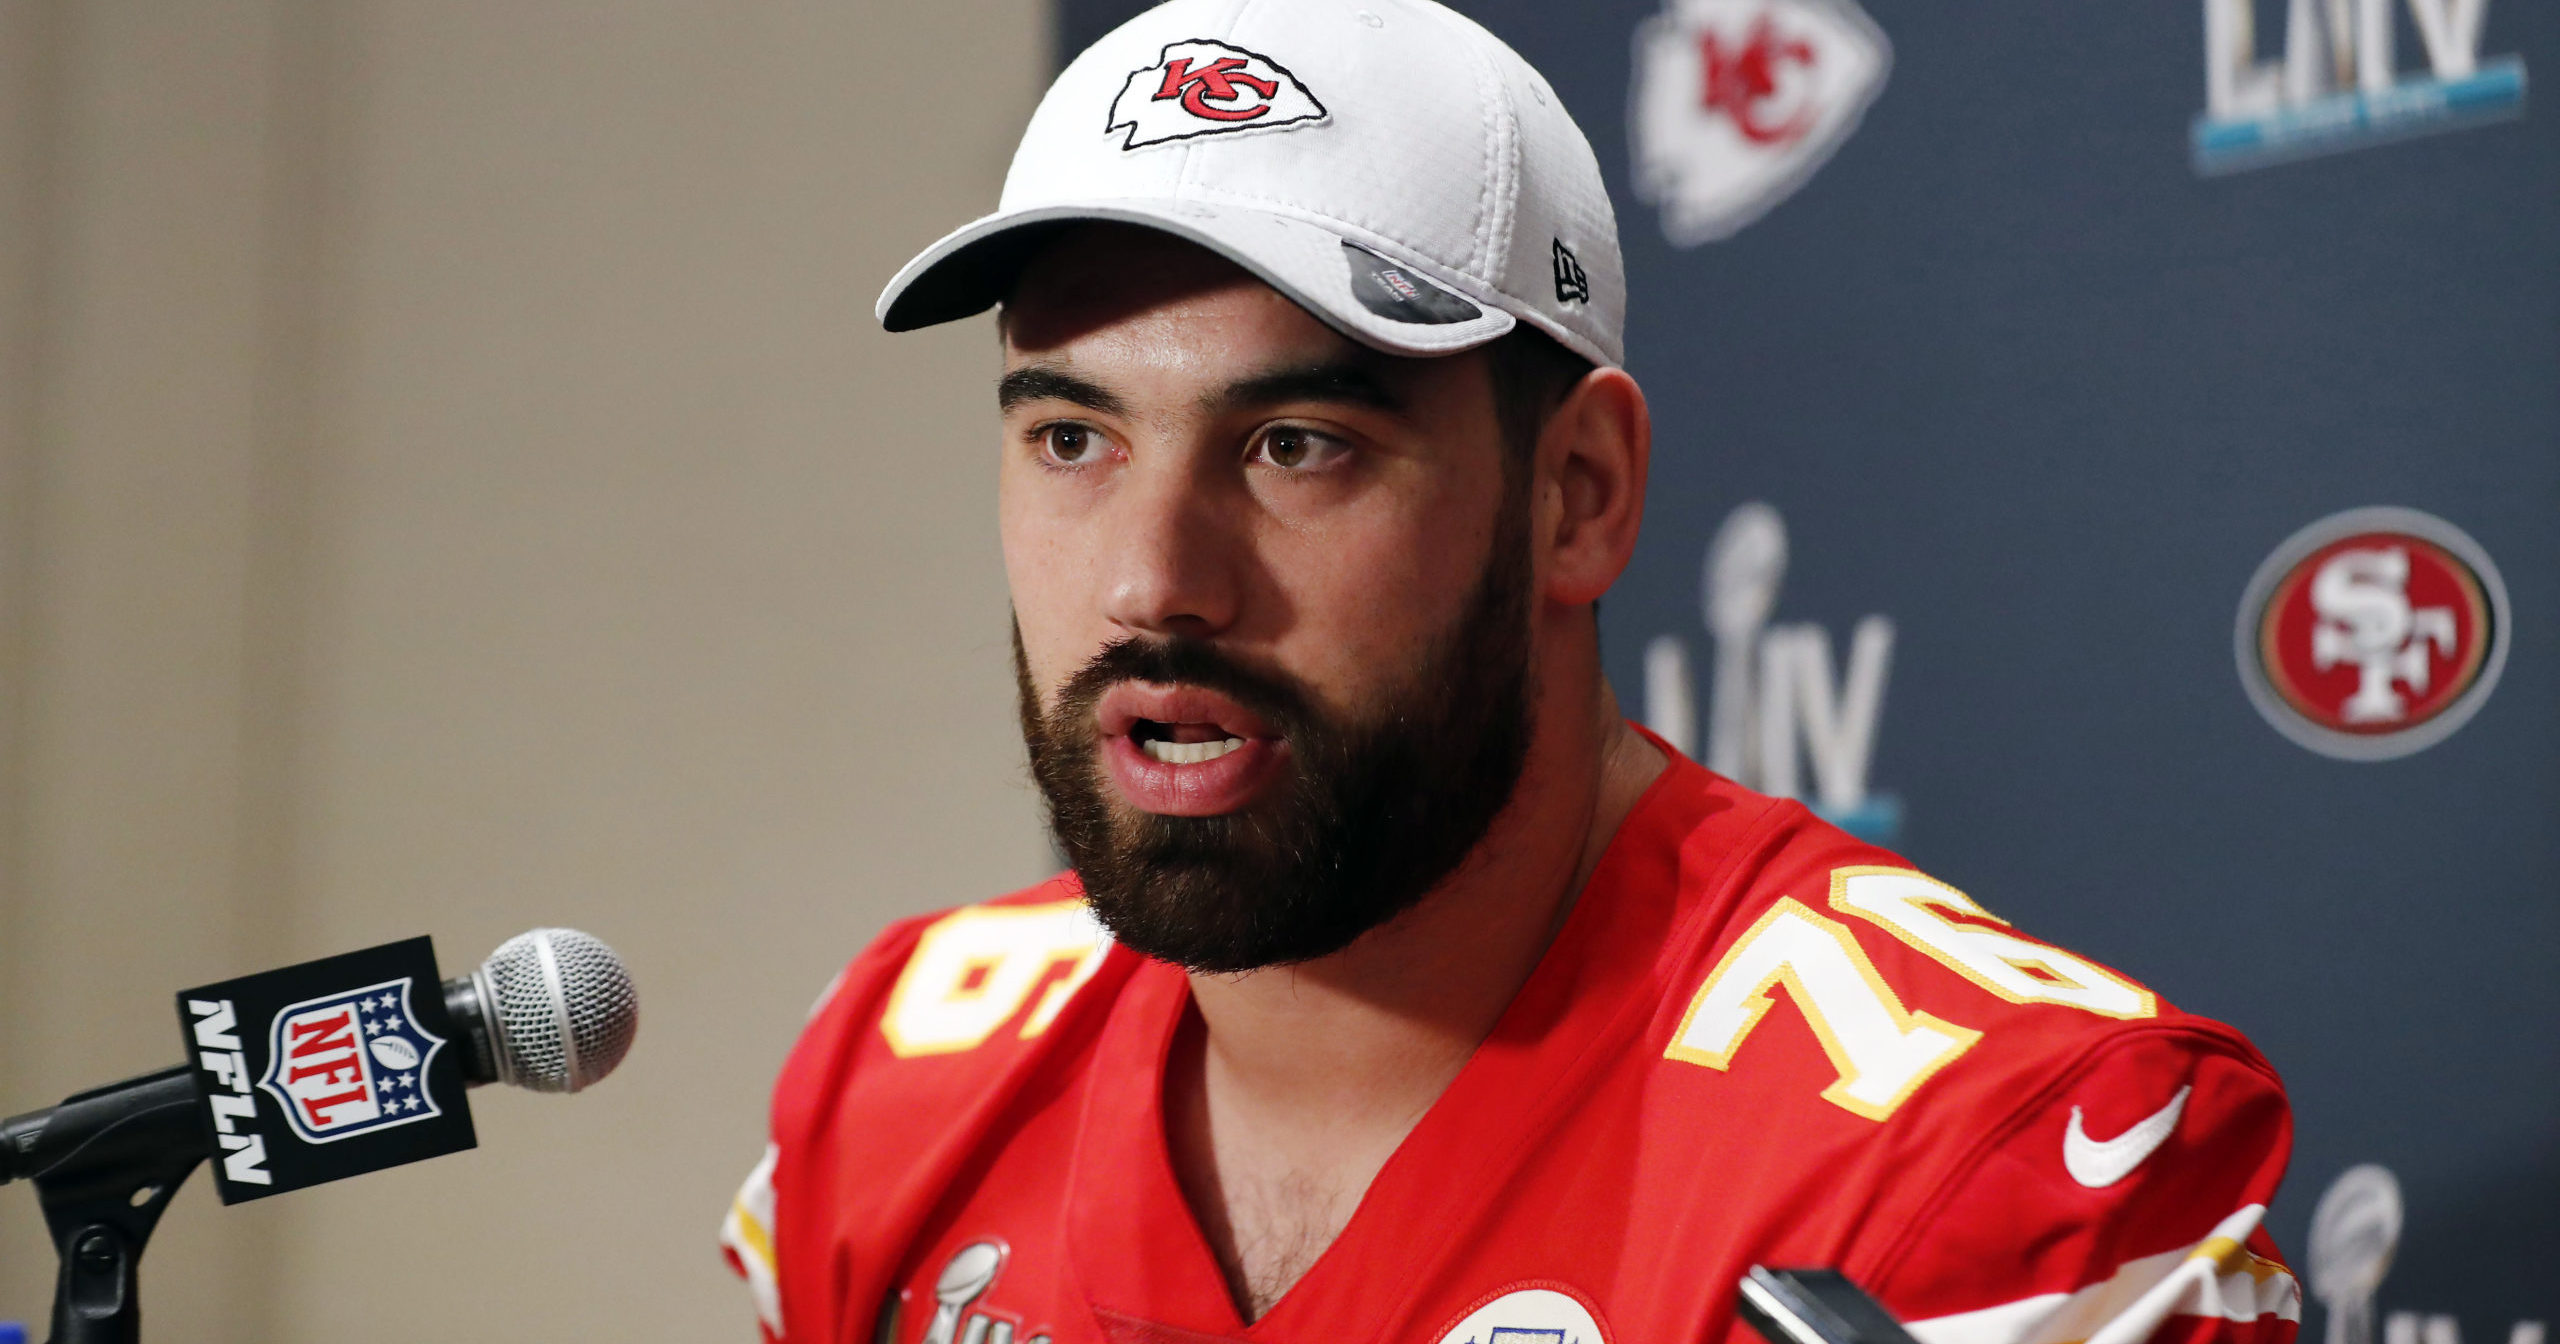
(912, 1057)
(1910, 986)
(941, 1006)
(2034, 1138)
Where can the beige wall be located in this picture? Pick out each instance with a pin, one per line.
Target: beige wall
(449, 482)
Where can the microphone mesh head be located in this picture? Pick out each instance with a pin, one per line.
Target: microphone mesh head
(565, 1009)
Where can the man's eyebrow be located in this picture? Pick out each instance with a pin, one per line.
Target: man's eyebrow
(1341, 381)
(1044, 384)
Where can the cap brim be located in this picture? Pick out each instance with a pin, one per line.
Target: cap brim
(1386, 301)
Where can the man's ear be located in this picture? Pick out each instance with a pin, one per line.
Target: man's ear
(1593, 457)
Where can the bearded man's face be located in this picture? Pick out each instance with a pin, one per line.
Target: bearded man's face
(1367, 815)
(1273, 604)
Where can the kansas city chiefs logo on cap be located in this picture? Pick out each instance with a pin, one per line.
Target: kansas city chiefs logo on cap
(1202, 87)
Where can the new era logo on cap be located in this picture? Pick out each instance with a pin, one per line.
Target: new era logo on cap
(1573, 284)
(1202, 87)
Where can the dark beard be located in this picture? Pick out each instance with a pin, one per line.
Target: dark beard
(1369, 816)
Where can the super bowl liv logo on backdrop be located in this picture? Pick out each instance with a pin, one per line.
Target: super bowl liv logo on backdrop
(2338, 84)
(2355, 1231)
(1779, 698)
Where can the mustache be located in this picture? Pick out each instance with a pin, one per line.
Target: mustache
(1274, 695)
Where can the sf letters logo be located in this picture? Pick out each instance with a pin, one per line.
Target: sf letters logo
(2367, 622)
(2372, 633)
(1201, 87)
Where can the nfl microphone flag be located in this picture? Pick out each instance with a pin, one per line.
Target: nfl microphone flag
(325, 1070)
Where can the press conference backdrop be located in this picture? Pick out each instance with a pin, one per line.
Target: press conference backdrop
(2006, 344)
(451, 481)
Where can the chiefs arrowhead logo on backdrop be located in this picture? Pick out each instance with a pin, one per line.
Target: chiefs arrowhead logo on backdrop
(1200, 87)
(1738, 102)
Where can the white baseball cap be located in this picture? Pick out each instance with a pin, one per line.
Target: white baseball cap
(1387, 164)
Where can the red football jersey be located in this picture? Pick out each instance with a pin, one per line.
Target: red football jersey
(1756, 1040)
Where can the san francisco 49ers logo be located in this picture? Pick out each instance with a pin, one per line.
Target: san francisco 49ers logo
(1201, 87)
(2373, 633)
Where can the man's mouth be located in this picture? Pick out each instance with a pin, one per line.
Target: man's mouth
(1183, 743)
(1185, 751)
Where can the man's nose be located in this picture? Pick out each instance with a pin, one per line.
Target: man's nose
(1173, 567)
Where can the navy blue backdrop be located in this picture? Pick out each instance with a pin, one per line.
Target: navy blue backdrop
(2040, 368)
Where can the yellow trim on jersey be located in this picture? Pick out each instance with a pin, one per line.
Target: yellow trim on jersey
(2218, 1277)
(2231, 1256)
(751, 1235)
(748, 1232)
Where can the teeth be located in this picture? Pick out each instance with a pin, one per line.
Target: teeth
(1189, 753)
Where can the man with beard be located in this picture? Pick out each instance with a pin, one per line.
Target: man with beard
(1400, 989)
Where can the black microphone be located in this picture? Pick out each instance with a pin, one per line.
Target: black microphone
(552, 1010)
(307, 1074)
(1814, 1306)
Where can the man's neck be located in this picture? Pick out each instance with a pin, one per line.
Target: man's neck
(1292, 1086)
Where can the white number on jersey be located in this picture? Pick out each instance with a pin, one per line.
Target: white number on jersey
(1883, 1052)
(975, 968)
(1914, 909)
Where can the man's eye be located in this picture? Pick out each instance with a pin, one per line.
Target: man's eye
(1295, 448)
(1070, 445)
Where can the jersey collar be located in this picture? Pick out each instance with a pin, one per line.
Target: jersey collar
(1137, 1249)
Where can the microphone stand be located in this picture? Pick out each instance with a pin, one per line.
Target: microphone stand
(105, 1164)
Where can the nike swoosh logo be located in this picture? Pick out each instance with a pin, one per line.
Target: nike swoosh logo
(2098, 1165)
